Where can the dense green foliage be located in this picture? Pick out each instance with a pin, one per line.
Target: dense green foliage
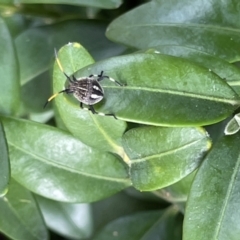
(168, 167)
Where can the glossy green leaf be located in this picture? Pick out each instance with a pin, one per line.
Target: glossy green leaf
(4, 163)
(54, 164)
(213, 206)
(9, 86)
(222, 68)
(34, 93)
(73, 221)
(177, 192)
(209, 26)
(128, 202)
(108, 4)
(42, 117)
(59, 122)
(36, 45)
(160, 157)
(100, 132)
(16, 22)
(233, 125)
(163, 90)
(20, 217)
(144, 226)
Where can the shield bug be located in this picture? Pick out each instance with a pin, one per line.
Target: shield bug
(87, 90)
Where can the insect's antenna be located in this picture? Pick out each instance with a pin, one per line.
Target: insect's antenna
(53, 96)
(60, 66)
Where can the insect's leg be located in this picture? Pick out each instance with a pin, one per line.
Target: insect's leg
(85, 108)
(68, 78)
(91, 108)
(60, 66)
(102, 77)
(101, 74)
(109, 114)
(74, 78)
(98, 76)
(113, 80)
(81, 105)
(54, 95)
(88, 109)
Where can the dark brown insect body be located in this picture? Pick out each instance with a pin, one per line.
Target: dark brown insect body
(86, 90)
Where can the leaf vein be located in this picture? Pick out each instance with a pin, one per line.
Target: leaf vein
(67, 168)
(235, 101)
(168, 152)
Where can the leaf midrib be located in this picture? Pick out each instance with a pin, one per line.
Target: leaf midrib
(105, 135)
(168, 152)
(18, 216)
(225, 203)
(181, 93)
(214, 27)
(60, 166)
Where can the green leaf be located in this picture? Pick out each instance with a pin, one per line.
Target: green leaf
(4, 163)
(54, 164)
(160, 157)
(213, 205)
(100, 132)
(233, 125)
(59, 122)
(9, 86)
(42, 117)
(222, 68)
(163, 90)
(128, 202)
(197, 24)
(145, 226)
(177, 192)
(15, 21)
(34, 93)
(36, 45)
(20, 217)
(108, 4)
(70, 220)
